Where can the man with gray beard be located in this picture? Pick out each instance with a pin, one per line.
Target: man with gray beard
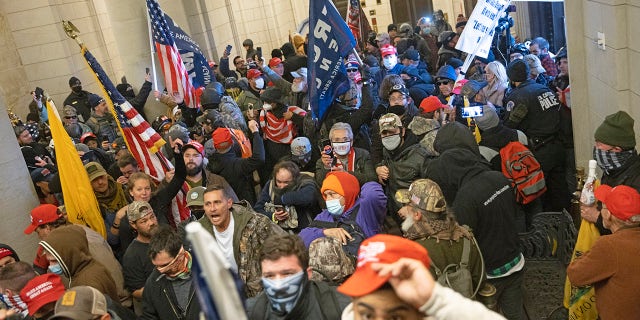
(428, 221)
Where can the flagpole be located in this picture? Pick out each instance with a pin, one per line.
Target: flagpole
(153, 59)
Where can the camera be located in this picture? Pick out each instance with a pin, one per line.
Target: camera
(471, 112)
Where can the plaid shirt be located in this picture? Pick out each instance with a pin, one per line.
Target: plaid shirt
(549, 65)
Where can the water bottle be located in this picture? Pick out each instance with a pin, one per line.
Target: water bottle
(587, 197)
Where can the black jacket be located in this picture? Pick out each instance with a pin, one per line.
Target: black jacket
(534, 110)
(628, 175)
(237, 171)
(159, 300)
(80, 101)
(140, 99)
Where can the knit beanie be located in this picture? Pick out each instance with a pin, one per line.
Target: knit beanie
(489, 118)
(617, 130)
(344, 184)
(518, 70)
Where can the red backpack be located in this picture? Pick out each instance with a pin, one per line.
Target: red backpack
(523, 170)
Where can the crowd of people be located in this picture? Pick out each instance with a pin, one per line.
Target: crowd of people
(398, 183)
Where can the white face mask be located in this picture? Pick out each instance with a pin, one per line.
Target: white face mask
(298, 86)
(334, 207)
(267, 107)
(390, 61)
(259, 83)
(341, 148)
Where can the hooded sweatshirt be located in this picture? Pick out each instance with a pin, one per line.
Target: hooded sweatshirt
(69, 245)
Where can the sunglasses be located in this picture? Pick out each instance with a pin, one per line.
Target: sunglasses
(352, 70)
(71, 117)
(443, 82)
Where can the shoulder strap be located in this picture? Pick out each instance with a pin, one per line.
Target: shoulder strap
(466, 251)
(260, 307)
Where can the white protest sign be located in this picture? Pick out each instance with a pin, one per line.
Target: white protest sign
(478, 33)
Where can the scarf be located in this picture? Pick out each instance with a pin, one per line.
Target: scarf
(351, 161)
(114, 198)
(610, 161)
(277, 129)
(434, 227)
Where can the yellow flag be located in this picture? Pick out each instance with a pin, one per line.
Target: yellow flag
(79, 199)
(581, 301)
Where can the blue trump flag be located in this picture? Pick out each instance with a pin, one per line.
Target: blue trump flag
(194, 61)
(330, 40)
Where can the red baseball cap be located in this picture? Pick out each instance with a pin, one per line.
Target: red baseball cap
(431, 104)
(622, 201)
(381, 248)
(196, 145)
(274, 62)
(253, 73)
(221, 139)
(457, 87)
(42, 290)
(388, 49)
(42, 214)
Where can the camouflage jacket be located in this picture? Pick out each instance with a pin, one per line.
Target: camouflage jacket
(250, 231)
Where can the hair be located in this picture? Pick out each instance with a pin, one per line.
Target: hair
(33, 116)
(499, 71)
(18, 130)
(166, 239)
(284, 245)
(236, 58)
(15, 276)
(126, 160)
(217, 187)
(290, 166)
(139, 176)
(61, 221)
(341, 126)
(541, 42)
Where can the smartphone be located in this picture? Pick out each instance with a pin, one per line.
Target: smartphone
(471, 112)
(147, 71)
(259, 49)
(228, 49)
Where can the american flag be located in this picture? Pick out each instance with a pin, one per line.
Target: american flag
(358, 22)
(142, 141)
(176, 77)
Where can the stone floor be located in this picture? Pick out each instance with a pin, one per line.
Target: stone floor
(544, 289)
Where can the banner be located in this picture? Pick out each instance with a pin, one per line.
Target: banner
(330, 40)
(478, 33)
(196, 64)
(581, 301)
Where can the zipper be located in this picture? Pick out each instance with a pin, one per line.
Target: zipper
(164, 290)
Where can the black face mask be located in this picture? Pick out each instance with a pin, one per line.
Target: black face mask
(76, 89)
(397, 109)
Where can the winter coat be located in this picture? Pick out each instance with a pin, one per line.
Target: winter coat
(363, 169)
(372, 207)
(69, 246)
(80, 101)
(533, 109)
(160, 302)
(250, 231)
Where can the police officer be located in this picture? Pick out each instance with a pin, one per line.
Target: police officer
(534, 109)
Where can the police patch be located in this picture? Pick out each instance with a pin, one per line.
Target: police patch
(510, 105)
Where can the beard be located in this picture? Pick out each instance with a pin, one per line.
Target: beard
(407, 223)
(299, 86)
(148, 234)
(193, 170)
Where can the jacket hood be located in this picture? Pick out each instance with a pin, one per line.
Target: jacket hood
(455, 167)
(455, 135)
(68, 244)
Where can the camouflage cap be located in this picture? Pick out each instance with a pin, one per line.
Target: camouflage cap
(389, 121)
(137, 210)
(424, 194)
(195, 196)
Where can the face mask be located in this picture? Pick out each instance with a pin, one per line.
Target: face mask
(341, 148)
(391, 142)
(390, 61)
(334, 207)
(55, 269)
(15, 303)
(609, 160)
(76, 89)
(396, 109)
(267, 107)
(302, 161)
(298, 86)
(284, 293)
(259, 83)
(426, 30)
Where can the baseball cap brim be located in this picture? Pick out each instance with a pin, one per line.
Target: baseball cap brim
(30, 229)
(296, 74)
(403, 196)
(73, 315)
(364, 281)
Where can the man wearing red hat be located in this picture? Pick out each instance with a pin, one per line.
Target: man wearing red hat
(7, 255)
(235, 169)
(41, 293)
(392, 281)
(612, 264)
(249, 99)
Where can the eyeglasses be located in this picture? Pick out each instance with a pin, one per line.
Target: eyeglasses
(443, 82)
(351, 70)
(71, 117)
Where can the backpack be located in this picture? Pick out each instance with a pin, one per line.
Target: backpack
(457, 276)
(523, 170)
